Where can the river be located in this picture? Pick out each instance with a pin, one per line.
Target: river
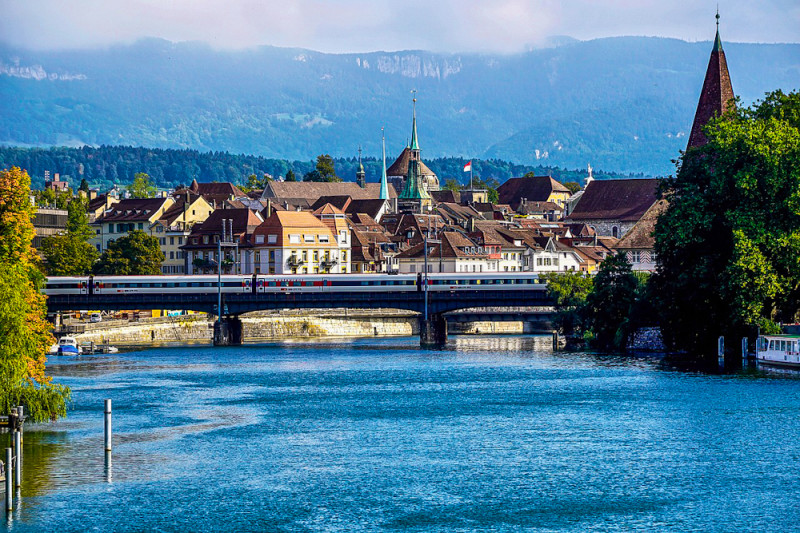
(491, 434)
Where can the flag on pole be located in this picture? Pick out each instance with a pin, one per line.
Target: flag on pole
(468, 167)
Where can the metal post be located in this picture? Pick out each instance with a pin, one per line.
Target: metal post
(744, 348)
(108, 425)
(20, 414)
(18, 459)
(9, 474)
(219, 279)
(425, 278)
(721, 351)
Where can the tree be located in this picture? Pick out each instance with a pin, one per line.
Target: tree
(608, 306)
(84, 186)
(451, 185)
(729, 242)
(68, 255)
(137, 253)
(569, 290)
(324, 170)
(572, 186)
(24, 333)
(63, 199)
(490, 184)
(290, 175)
(142, 187)
(255, 183)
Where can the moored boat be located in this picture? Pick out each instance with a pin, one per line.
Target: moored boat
(779, 350)
(68, 346)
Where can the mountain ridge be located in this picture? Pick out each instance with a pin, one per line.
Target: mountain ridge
(620, 103)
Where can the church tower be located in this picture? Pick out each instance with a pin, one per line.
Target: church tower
(716, 96)
(361, 175)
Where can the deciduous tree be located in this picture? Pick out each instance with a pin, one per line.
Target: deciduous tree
(142, 187)
(24, 332)
(729, 243)
(137, 253)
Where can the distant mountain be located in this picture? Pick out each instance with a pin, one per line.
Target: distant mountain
(623, 104)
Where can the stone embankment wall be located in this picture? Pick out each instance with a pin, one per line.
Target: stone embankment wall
(647, 339)
(257, 326)
(192, 328)
(339, 323)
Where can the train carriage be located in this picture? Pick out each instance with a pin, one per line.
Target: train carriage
(171, 284)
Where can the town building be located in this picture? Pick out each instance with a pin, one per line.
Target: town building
(612, 207)
(450, 252)
(48, 222)
(125, 216)
(515, 191)
(638, 243)
(173, 227)
(297, 242)
(409, 160)
(201, 248)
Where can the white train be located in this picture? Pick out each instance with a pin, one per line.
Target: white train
(258, 283)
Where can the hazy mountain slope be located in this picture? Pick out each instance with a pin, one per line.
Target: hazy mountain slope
(622, 104)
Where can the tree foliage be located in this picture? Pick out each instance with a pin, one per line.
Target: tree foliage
(141, 186)
(609, 305)
(324, 170)
(137, 253)
(71, 254)
(569, 290)
(729, 243)
(24, 332)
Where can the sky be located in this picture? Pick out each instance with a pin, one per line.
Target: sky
(496, 26)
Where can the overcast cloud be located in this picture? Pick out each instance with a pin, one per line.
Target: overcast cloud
(369, 25)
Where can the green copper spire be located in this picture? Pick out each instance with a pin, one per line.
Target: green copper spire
(717, 41)
(414, 144)
(384, 192)
(414, 189)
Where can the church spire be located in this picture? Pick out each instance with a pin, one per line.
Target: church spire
(361, 176)
(414, 143)
(717, 94)
(384, 192)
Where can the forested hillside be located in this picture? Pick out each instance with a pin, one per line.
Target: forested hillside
(107, 166)
(623, 104)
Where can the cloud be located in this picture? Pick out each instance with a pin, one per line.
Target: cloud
(368, 25)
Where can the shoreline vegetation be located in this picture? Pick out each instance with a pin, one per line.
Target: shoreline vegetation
(24, 331)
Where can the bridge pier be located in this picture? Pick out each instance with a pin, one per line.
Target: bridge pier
(228, 331)
(433, 332)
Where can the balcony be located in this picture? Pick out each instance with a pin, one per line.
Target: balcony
(295, 261)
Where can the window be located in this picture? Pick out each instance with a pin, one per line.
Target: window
(259, 239)
(272, 239)
(172, 255)
(413, 268)
(180, 240)
(324, 238)
(257, 256)
(294, 239)
(634, 257)
(305, 256)
(216, 239)
(272, 255)
(344, 257)
(308, 237)
(615, 232)
(205, 239)
(316, 256)
(141, 225)
(172, 241)
(159, 229)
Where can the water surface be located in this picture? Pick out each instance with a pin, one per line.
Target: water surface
(492, 434)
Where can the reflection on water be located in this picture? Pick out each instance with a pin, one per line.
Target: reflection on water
(490, 433)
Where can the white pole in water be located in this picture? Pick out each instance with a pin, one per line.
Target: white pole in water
(9, 473)
(744, 348)
(108, 425)
(17, 459)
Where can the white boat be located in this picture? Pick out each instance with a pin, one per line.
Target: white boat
(68, 346)
(779, 350)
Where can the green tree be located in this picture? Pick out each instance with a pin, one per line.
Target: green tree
(573, 186)
(24, 332)
(290, 176)
(609, 304)
(729, 243)
(84, 186)
(324, 170)
(142, 187)
(137, 253)
(451, 185)
(63, 199)
(569, 290)
(490, 184)
(68, 255)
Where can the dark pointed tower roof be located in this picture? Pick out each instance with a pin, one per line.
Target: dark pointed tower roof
(716, 96)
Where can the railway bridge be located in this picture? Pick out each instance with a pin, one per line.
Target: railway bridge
(228, 330)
